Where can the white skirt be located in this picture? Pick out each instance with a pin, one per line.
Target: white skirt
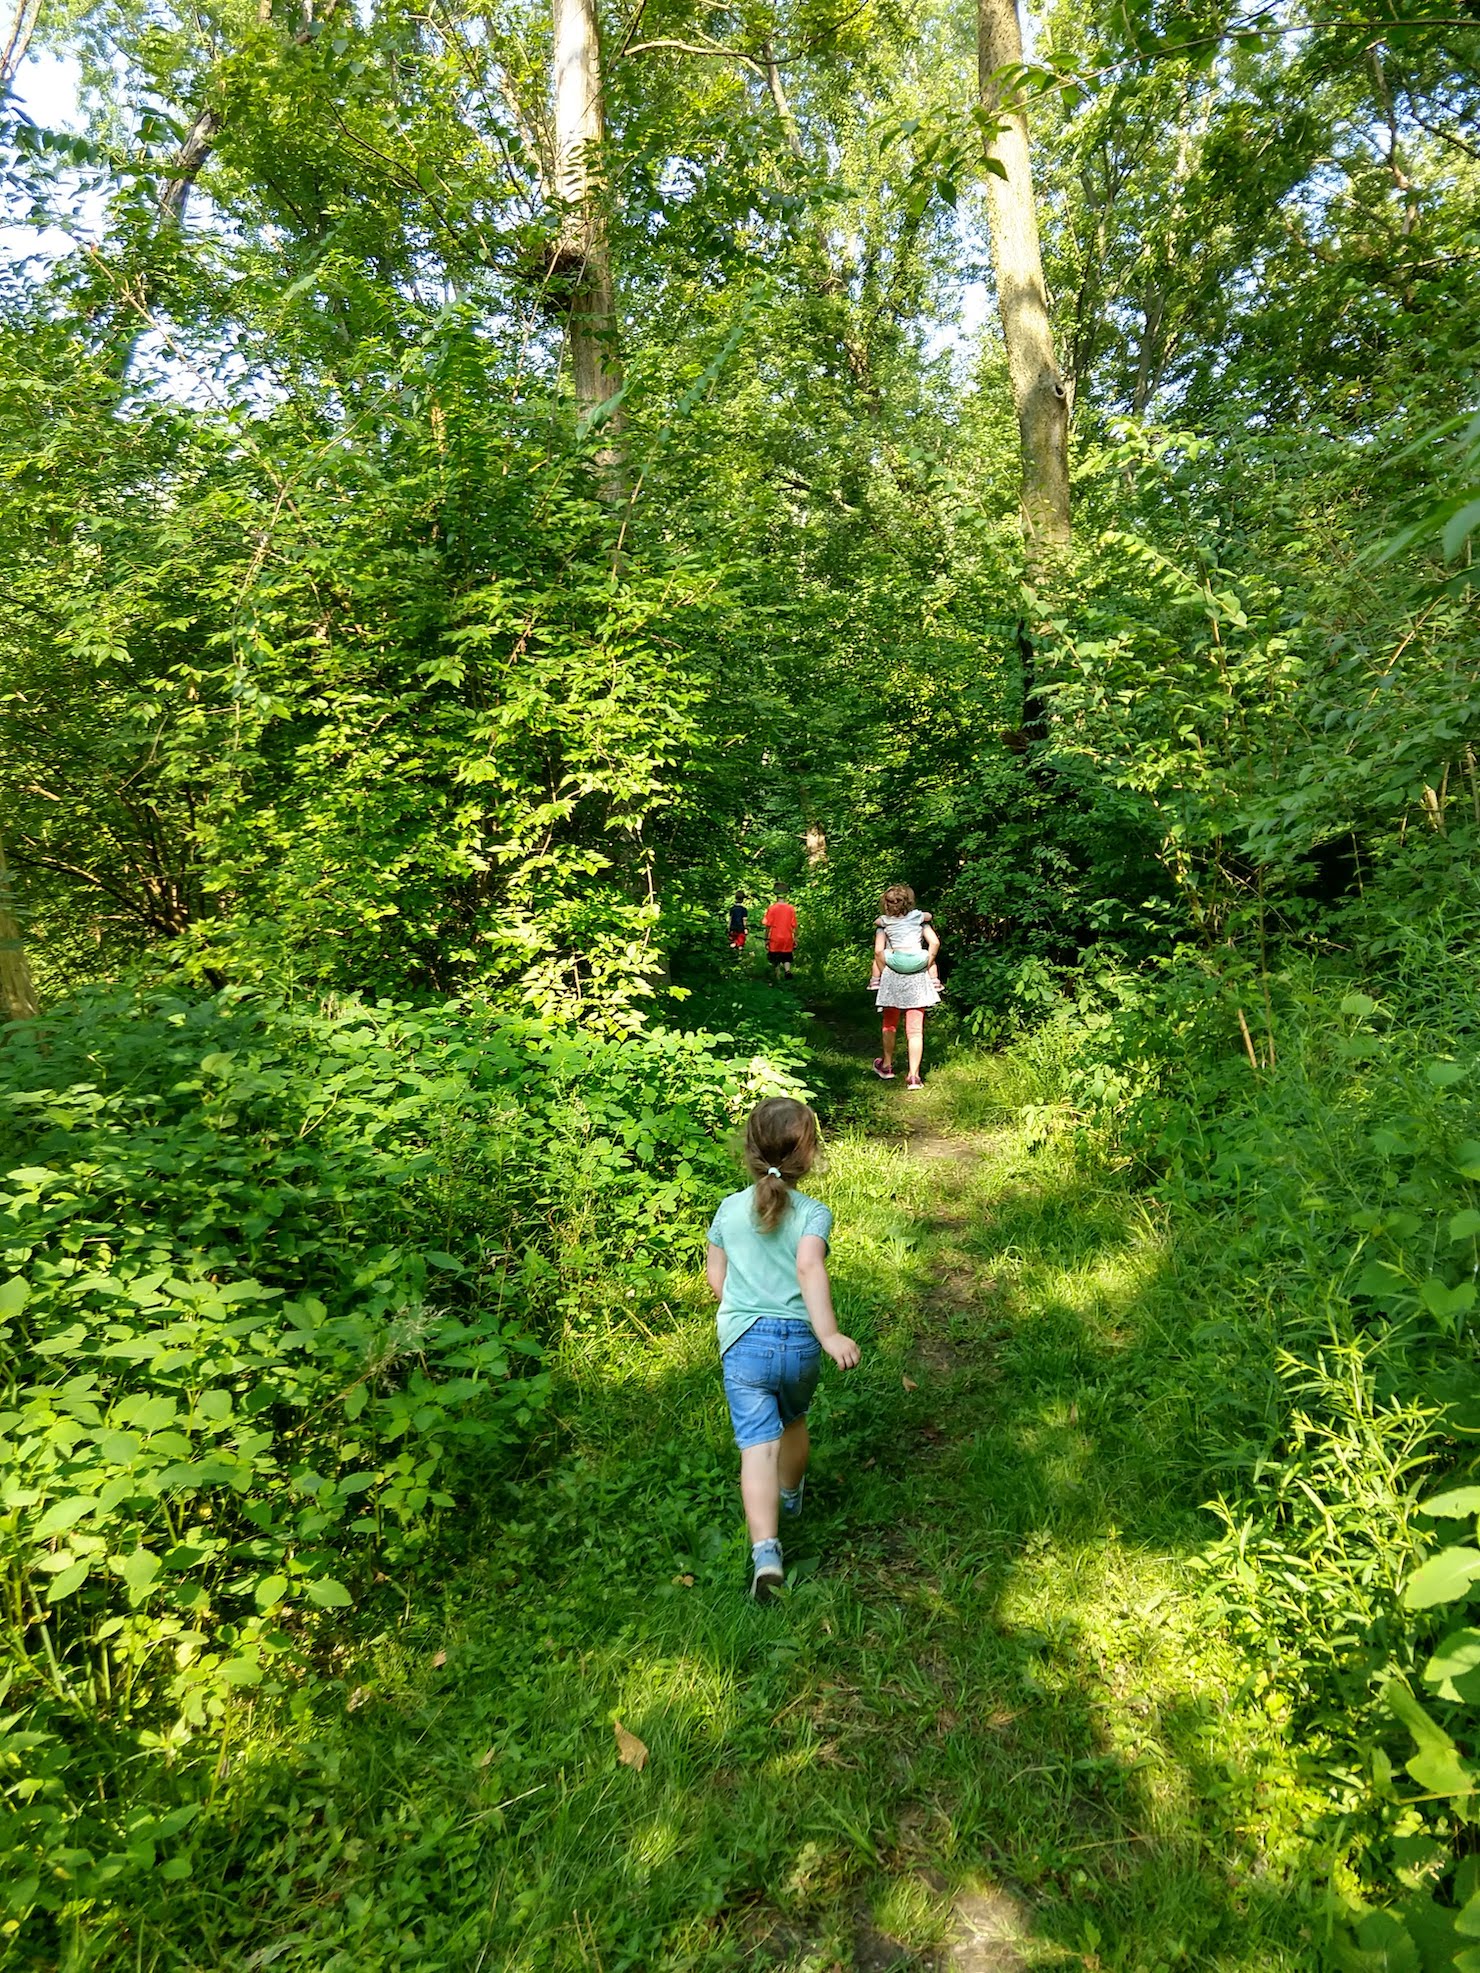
(906, 990)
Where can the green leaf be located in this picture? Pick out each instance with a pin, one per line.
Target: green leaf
(139, 1571)
(1430, 1925)
(68, 1579)
(1467, 1159)
(1454, 1505)
(1444, 1578)
(1381, 1945)
(1443, 1074)
(14, 1294)
(63, 1514)
(1385, 1945)
(269, 1590)
(1442, 1300)
(1465, 1225)
(1358, 1004)
(329, 1594)
(1459, 527)
(1452, 1668)
(1438, 1766)
(1379, 1280)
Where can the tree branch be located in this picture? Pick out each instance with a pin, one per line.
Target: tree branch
(783, 107)
(695, 48)
(632, 26)
(1445, 136)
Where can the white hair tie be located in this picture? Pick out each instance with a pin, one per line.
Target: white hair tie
(771, 1172)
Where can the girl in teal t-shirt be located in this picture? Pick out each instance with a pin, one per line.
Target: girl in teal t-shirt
(767, 1264)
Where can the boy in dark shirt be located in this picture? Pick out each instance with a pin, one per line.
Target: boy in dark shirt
(738, 920)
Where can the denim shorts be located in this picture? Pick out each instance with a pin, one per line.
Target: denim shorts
(770, 1374)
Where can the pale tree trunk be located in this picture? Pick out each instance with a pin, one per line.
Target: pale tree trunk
(1038, 389)
(583, 257)
(23, 19)
(18, 1000)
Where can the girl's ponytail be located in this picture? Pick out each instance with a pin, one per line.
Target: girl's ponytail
(780, 1145)
(770, 1200)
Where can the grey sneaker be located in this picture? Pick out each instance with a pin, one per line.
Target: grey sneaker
(791, 1497)
(769, 1574)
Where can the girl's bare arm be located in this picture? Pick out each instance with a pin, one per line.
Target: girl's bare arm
(880, 948)
(817, 1295)
(715, 1265)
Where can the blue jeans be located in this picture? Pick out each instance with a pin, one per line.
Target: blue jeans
(770, 1374)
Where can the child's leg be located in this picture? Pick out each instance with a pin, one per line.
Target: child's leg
(795, 1451)
(914, 1033)
(760, 1489)
(891, 1022)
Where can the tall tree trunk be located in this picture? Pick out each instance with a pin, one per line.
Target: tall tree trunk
(1038, 389)
(583, 256)
(1148, 368)
(23, 19)
(18, 1000)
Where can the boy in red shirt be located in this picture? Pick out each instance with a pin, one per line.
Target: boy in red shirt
(780, 922)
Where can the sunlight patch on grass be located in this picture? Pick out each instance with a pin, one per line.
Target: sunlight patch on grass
(1103, 1290)
(907, 1909)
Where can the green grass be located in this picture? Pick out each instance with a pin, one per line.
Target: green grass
(998, 1669)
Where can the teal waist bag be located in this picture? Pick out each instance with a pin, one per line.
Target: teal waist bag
(906, 962)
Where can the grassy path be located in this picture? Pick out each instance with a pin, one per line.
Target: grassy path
(994, 1725)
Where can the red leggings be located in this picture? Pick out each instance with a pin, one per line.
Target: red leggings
(914, 1019)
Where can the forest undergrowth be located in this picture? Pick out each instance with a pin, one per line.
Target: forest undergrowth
(1003, 1678)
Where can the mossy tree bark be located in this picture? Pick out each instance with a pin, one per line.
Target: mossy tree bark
(1040, 394)
(583, 265)
(1039, 390)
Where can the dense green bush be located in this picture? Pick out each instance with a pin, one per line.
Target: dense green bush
(1326, 1211)
(274, 1283)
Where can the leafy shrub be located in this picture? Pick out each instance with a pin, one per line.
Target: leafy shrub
(273, 1281)
(1326, 1213)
